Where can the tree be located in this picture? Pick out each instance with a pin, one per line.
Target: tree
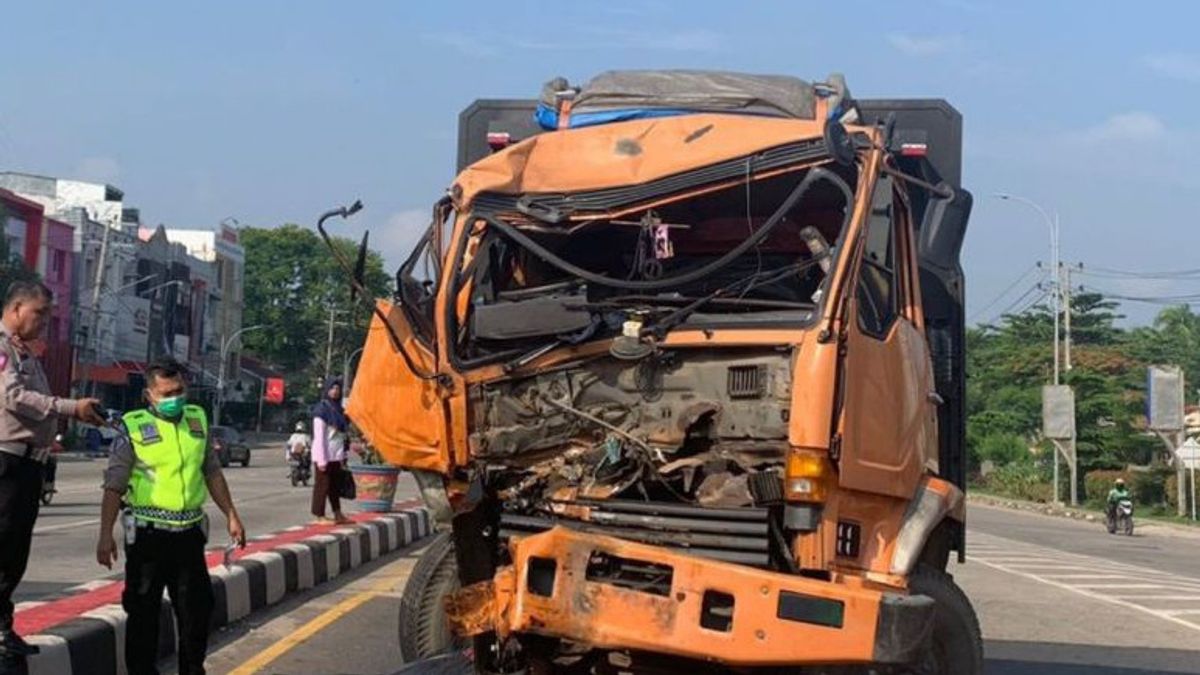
(1008, 363)
(12, 267)
(292, 281)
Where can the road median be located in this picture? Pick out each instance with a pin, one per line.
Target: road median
(85, 632)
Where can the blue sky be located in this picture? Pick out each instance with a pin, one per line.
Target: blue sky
(273, 111)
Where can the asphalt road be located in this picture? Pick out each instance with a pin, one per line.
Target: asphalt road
(1054, 596)
(64, 540)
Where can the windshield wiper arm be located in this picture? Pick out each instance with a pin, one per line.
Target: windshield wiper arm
(660, 328)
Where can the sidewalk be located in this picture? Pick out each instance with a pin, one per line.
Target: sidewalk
(85, 632)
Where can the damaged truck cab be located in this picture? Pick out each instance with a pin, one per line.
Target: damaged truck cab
(681, 367)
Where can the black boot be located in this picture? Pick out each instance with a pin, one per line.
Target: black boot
(11, 643)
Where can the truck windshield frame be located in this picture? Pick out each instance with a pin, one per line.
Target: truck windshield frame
(707, 312)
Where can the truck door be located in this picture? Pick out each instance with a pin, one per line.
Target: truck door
(888, 414)
(396, 399)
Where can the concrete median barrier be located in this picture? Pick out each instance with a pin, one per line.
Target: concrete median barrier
(85, 633)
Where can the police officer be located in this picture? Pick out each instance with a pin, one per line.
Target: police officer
(28, 420)
(163, 470)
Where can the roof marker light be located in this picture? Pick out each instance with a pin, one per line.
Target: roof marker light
(498, 140)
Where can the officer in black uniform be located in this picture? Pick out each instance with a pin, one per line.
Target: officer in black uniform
(27, 424)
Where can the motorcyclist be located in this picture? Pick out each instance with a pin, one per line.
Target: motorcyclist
(299, 442)
(1115, 495)
(299, 446)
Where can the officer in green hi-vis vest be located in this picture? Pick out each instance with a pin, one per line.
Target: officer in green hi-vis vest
(163, 470)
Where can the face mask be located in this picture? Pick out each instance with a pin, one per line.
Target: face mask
(172, 406)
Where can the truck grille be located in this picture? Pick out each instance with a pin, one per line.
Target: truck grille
(738, 535)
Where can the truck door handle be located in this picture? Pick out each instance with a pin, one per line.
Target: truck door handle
(935, 398)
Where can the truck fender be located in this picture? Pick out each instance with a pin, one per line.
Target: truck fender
(934, 501)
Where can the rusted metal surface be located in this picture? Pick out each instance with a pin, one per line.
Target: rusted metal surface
(479, 608)
(605, 615)
(472, 610)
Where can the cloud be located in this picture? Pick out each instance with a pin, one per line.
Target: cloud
(98, 169)
(925, 45)
(584, 39)
(1176, 66)
(475, 46)
(1137, 125)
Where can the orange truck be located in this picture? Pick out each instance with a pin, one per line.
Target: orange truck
(678, 365)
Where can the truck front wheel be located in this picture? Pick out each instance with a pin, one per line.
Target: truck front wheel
(957, 644)
(424, 631)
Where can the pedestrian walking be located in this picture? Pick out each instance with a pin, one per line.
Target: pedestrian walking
(28, 420)
(330, 429)
(160, 473)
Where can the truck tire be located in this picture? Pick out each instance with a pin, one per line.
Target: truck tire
(424, 631)
(957, 645)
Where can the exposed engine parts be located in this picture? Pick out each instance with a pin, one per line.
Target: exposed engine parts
(701, 427)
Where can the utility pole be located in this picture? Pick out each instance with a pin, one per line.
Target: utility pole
(94, 335)
(1065, 270)
(221, 370)
(333, 312)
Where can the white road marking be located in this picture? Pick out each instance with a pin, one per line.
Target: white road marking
(1121, 586)
(1085, 576)
(1010, 562)
(65, 526)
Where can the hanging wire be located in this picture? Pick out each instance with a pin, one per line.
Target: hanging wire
(979, 312)
(1021, 301)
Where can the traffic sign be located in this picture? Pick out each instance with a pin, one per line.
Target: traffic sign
(1189, 454)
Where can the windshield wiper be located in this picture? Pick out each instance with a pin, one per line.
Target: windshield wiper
(660, 328)
(623, 301)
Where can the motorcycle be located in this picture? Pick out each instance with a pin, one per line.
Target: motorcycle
(1120, 517)
(50, 470)
(300, 468)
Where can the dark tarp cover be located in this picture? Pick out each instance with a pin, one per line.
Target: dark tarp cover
(633, 94)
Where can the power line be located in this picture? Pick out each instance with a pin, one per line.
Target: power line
(1149, 299)
(1021, 299)
(976, 314)
(1033, 302)
(1109, 273)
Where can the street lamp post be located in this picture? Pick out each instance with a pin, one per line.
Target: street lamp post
(1051, 223)
(262, 394)
(346, 371)
(221, 369)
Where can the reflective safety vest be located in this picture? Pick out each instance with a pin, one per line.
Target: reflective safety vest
(167, 485)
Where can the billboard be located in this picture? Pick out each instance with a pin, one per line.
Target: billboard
(1164, 398)
(274, 390)
(1058, 412)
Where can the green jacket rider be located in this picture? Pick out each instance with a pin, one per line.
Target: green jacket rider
(1118, 492)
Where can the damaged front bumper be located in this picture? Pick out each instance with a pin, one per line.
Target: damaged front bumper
(613, 594)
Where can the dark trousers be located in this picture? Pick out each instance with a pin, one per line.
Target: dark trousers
(174, 560)
(51, 469)
(20, 495)
(326, 487)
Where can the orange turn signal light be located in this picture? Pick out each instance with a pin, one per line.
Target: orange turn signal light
(807, 477)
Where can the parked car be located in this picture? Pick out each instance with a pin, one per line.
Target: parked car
(230, 446)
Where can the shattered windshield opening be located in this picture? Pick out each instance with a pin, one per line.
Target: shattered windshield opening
(534, 285)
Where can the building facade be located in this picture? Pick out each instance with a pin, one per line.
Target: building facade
(45, 246)
(222, 248)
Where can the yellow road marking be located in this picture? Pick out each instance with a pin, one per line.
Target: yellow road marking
(322, 621)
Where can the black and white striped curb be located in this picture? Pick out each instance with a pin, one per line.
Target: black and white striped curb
(94, 643)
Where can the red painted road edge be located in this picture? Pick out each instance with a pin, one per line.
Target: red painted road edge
(37, 619)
